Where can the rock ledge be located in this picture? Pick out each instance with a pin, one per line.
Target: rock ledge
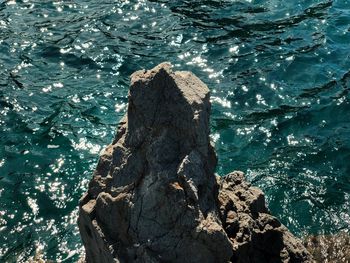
(154, 196)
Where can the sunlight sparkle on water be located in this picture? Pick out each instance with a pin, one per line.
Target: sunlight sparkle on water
(65, 69)
(84, 144)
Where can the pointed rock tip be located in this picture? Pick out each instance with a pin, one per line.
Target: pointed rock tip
(191, 87)
(146, 74)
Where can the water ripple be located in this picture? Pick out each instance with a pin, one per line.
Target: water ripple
(279, 78)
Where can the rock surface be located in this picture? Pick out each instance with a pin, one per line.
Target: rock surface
(154, 196)
(329, 248)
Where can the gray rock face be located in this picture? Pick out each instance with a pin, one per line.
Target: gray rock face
(256, 235)
(154, 196)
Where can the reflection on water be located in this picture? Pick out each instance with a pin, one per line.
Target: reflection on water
(279, 76)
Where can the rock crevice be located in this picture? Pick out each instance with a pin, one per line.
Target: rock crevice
(154, 196)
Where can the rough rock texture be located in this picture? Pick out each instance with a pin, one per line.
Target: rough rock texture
(330, 248)
(154, 196)
(256, 235)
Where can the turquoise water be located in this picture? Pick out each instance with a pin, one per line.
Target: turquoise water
(279, 73)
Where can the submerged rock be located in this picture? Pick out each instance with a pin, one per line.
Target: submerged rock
(154, 196)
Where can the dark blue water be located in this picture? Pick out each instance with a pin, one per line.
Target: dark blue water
(279, 72)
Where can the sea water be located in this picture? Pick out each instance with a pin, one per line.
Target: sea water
(279, 75)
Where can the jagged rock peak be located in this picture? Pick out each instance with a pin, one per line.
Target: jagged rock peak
(154, 196)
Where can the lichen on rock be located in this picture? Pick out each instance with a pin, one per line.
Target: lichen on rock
(154, 196)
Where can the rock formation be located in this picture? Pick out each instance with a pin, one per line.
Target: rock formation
(154, 196)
